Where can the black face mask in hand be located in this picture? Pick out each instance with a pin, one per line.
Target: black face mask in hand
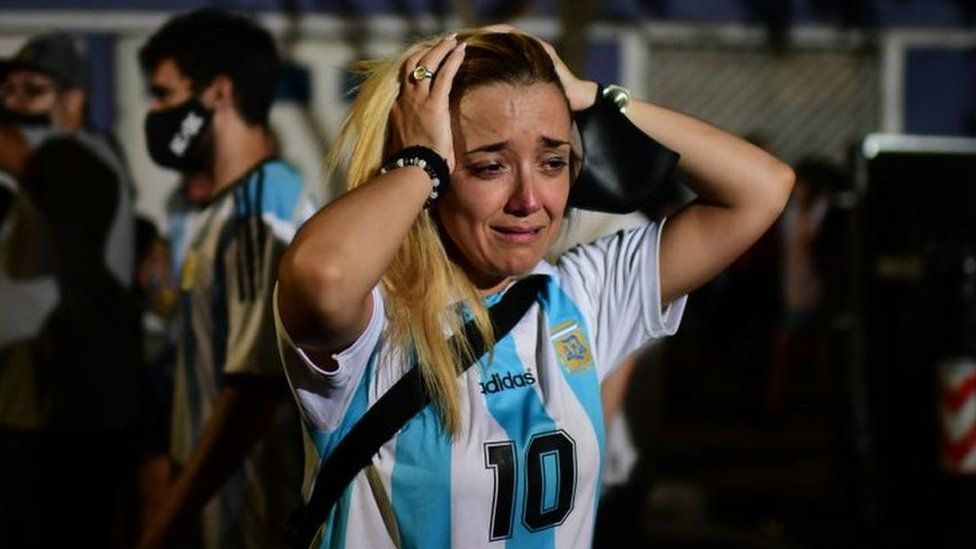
(176, 136)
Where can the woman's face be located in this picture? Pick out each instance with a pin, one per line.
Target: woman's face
(509, 188)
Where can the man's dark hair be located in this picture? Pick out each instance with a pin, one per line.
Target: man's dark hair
(210, 42)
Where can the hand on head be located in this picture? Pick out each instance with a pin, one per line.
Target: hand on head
(580, 93)
(421, 114)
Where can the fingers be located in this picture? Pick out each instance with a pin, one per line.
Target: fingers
(410, 64)
(550, 49)
(435, 56)
(421, 114)
(441, 88)
(580, 93)
(430, 58)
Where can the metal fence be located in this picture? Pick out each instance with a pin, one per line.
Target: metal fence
(807, 101)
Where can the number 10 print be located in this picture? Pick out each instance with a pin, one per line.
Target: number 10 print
(550, 482)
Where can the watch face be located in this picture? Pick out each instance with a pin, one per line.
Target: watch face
(619, 95)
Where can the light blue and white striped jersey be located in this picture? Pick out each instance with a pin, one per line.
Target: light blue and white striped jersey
(226, 335)
(525, 469)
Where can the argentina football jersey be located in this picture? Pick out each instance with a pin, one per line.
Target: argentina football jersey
(232, 249)
(525, 468)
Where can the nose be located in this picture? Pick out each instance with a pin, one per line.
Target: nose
(524, 199)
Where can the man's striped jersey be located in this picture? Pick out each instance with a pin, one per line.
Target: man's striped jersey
(525, 469)
(226, 335)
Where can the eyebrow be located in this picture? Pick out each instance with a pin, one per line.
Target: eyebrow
(552, 143)
(548, 142)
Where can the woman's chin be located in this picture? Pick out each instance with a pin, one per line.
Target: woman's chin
(500, 276)
(518, 269)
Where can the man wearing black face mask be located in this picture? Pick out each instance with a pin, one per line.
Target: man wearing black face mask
(69, 327)
(235, 440)
(34, 100)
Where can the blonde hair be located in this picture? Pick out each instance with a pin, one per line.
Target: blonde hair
(421, 315)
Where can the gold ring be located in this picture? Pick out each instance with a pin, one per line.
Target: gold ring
(421, 73)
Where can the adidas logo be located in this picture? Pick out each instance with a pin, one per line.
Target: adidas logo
(508, 381)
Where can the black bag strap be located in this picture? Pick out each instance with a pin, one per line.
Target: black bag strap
(391, 412)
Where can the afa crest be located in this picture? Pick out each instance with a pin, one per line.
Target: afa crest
(572, 347)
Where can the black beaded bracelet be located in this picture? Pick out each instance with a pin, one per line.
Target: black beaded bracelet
(432, 163)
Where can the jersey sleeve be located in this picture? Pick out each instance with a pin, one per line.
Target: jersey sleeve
(617, 280)
(266, 213)
(324, 395)
(249, 269)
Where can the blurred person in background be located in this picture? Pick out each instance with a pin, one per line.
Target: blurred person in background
(160, 261)
(235, 441)
(156, 295)
(70, 376)
(800, 343)
(159, 273)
